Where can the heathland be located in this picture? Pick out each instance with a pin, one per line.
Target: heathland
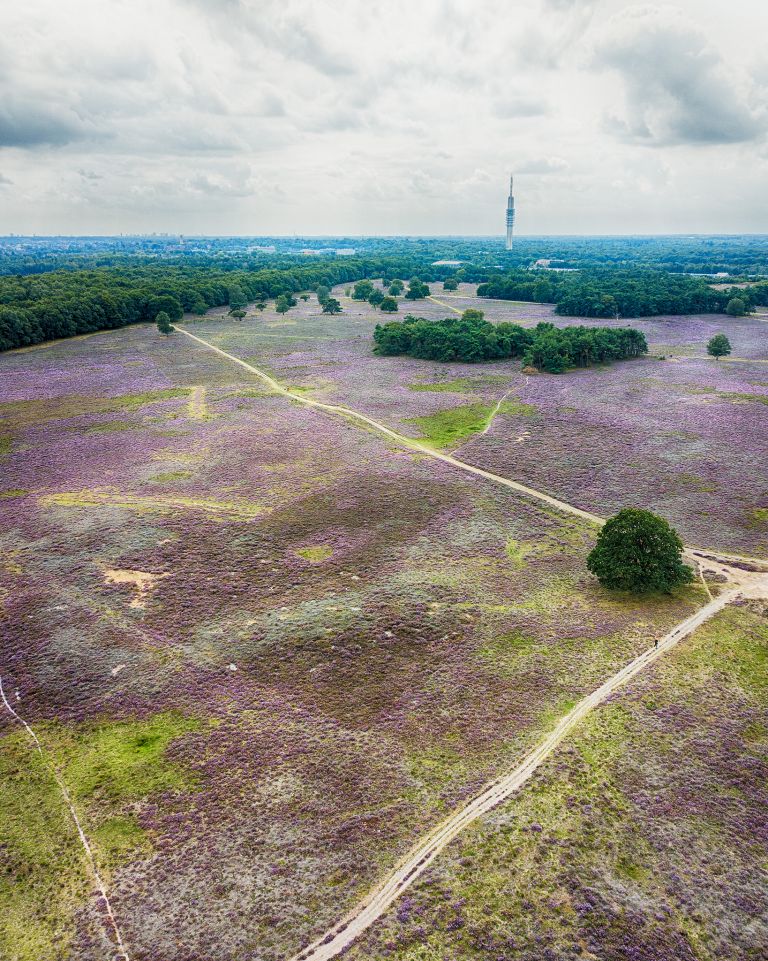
(266, 647)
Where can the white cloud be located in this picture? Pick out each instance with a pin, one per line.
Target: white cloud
(324, 116)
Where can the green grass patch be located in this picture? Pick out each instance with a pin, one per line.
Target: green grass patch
(515, 407)
(6, 444)
(505, 654)
(315, 554)
(45, 880)
(26, 413)
(745, 398)
(459, 385)
(170, 476)
(447, 428)
(758, 518)
(112, 427)
(13, 492)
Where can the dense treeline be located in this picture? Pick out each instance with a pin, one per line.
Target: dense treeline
(618, 293)
(472, 338)
(38, 307)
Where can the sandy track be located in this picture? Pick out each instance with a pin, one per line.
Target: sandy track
(121, 949)
(348, 412)
(424, 852)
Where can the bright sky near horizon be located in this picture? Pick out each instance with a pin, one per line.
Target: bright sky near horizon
(392, 117)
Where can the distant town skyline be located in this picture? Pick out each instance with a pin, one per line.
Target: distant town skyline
(283, 117)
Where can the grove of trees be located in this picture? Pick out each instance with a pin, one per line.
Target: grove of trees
(472, 338)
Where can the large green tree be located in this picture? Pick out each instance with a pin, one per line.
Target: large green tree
(736, 307)
(719, 346)
(388, 305)
(331, 306)
(639, 552)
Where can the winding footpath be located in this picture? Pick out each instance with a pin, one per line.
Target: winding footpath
(750, 583)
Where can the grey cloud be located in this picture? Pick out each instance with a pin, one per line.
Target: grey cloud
(675, 87)
(90, 175)
(5, 181)
(24, 125)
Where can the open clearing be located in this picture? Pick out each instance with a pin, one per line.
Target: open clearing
(338, 641)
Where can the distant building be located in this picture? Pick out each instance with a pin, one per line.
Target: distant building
(447, 263)
(346, 251)
(510, 215)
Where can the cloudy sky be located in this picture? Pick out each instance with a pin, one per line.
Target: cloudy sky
(397, 116)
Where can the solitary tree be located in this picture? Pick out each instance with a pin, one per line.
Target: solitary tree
(450, 284)
(388, 305)
(331, 306)
(305, 297)
(736, 307)
(163, 322)
(282, 304)
(639, 552)
(719, 346)
(396, 287)
(237, 314)
(322, 294)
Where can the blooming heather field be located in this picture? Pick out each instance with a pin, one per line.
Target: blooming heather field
(686, 436)
(265, 649)
(644, 839)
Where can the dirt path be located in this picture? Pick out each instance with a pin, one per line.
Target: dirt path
(443, 304)
(123, 953)
(372, 907)
(402, 439)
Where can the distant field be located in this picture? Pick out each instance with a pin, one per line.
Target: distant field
(266, 648)
(681, 436)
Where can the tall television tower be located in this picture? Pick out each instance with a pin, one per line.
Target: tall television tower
(510, 215)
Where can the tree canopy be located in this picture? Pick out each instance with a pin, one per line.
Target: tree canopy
(163, 322)
(331, 306)
(719, 346)
(639, 552)
(472, 338)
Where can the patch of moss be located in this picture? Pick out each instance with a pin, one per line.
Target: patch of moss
(758, 518)
(13, 492)
(6, 444)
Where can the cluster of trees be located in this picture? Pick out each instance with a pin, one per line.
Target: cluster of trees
(472, 338)
(621, 293)
(44, 306)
